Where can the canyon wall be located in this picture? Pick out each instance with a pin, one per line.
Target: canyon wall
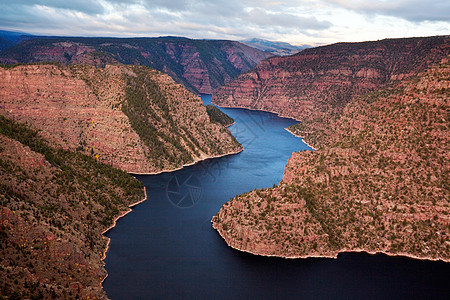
(54, 206)
(134, 118)
(318, 80)
(202, 66)
(378, 183)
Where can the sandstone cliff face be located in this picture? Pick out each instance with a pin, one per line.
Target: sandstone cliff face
(201, 65)
(82, 107)
(378, 183)
(317, 80)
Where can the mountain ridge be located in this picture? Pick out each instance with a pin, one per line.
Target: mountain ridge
(325, 78)
(276, 48)
(200, 65)
(135, 118)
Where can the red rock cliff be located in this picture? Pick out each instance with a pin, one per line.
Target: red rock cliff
(326, 78)
(200, 65)
(80, 107)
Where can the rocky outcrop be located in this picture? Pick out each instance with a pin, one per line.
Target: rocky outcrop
(200, 65)
(322, 79)
(134, 118)
(378, 182)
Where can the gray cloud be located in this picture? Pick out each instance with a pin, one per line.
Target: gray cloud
(85, 6)
(411, 10)
(262, 17)
(220, 19)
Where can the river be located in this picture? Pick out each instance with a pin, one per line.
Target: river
(167, 249)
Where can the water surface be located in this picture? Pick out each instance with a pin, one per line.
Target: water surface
(167, 249)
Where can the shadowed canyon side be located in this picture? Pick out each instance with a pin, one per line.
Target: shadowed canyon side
(201, 66)
(378, 183)
(135, 118)
(324, 79)
(54, 206)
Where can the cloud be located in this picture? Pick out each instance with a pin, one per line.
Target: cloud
(85, 6)
(295, 21)
(411, 10)
(262, 17)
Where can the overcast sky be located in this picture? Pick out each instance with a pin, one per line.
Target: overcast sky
(298, 22)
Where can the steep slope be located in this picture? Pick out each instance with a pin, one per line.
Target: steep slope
(200, 65)
(5, 44)
(54, 206)
(378, 183)
(135, 118)
(325, 78)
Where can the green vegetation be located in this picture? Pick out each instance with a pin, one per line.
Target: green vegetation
(54, 206)
(148, 110)
(217, 116)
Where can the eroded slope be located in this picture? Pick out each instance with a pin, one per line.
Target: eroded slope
(200, 65)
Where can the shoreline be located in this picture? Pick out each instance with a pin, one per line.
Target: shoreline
(230, 124)
(277, 114)
(256, 109)
(303, 139)
(189, 164)
(330, 256)
(108, 240)
(124, 213)
(335, 256)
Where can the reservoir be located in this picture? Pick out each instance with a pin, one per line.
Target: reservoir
(167, 249)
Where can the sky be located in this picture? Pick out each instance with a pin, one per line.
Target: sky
(312, 22)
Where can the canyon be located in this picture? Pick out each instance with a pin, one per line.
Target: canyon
(134, 118)
(378, 182)
(71, 130)
(68, 137)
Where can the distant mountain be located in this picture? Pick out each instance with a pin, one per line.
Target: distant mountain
(9, 39)
(5, 44)
(276, 48)
(200, 65)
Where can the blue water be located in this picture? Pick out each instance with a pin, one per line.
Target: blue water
(167, 249)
